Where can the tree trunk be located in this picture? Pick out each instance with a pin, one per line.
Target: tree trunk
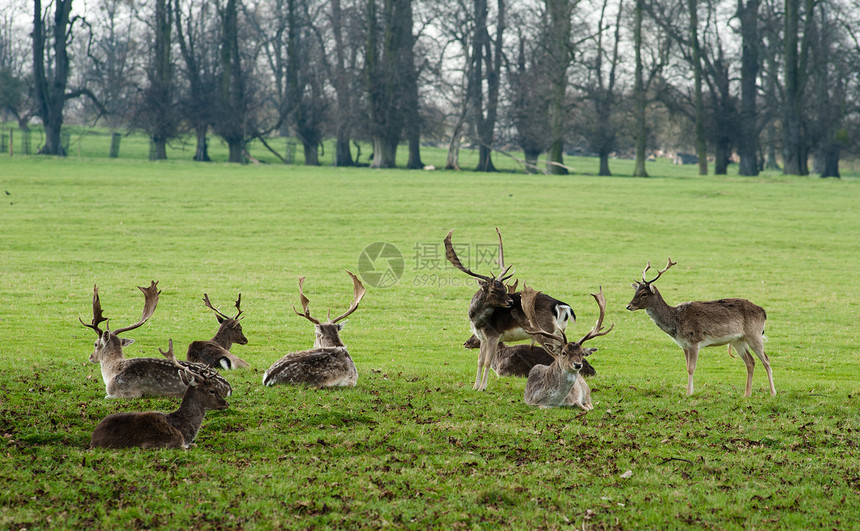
(201, 153)
(531, 161)
(604, 163)
(641, 131)
(51, 92)
(701, 144)
(722, 150)
(748, 148)
(342, 154)
(558, 44)
(830, 162)
(452, 162)
(794, 157)
(311, 151)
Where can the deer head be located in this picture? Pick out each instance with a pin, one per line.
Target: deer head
(493, 287)
(568, 354)
(229, 325)
(201, 385)
(328, 332)
(645, 289)
(108, 341)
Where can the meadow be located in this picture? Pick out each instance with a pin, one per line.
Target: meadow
(413, 445)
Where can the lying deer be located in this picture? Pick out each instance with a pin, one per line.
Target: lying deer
(560, 384)
(216, 351)
(496, 315)
(136, 377)
(518, 360)
(328, 364)
(152, 429)
(693, 325)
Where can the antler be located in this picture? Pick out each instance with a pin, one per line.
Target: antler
(669, 264)
(169, 354)
(209, 305)
(98, 318)
(150, 295)
(307, 313)
(504, 269)
(358, 293)
(452, 257)
(549, 341)
(598, 331)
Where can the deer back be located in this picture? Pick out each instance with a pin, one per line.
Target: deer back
(149, 429)
(212, 354)
(719, 320)
(138, 377)
(319, 367)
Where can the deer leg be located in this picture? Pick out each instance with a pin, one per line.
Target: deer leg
(749, 361)
(481, 353)
(692, 354)
(757, 346)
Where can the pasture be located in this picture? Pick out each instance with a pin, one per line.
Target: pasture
(413, 445)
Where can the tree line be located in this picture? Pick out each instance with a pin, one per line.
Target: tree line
(764, 83)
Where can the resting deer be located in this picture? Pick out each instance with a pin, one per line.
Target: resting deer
(496, 315)
(693, 325)
(560, 384)
(216, 351)
(328, 364)
(137, 377)
(152, 429)
(518, 360)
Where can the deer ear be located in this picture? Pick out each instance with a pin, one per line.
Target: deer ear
(482, 283)
(634, 285)
(589, 351)
(340, 325)
(652, 288)
(220, 319)
(126, 342)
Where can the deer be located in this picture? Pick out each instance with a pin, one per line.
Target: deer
(328, 363)
(518, 360)
(152, 429)
(137, 377)
(215, 352)
(560, 384)
(737, 323)
(496, 315)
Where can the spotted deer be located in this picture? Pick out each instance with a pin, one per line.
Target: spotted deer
(215, 352)
(328, 363)
(152, 429)
(561, 383)
(693, 325)
(137, 377)
(495, 315)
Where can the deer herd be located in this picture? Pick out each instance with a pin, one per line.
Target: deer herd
(554, 367)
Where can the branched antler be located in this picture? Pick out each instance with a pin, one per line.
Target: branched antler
(552, 343)
(218, 312)
(150, 295)
(669, 264)
(98, 318)
(358, 294)
(598, 331)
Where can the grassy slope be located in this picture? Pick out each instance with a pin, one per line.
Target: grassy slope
(412, 444)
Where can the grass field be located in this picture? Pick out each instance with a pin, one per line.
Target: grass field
(412, 445)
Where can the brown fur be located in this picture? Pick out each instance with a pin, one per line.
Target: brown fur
(693, 325)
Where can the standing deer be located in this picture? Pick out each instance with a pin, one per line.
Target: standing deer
(518, 360)
(496, 315)
(137, 377)
(693, 325)
(560, 384)
(152, 429)
(328, 364)
(215, 352)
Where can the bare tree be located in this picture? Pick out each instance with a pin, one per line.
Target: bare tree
(639, 94)
(559, 51)
(51, 39)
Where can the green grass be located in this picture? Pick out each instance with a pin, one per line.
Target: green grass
(412, 445)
